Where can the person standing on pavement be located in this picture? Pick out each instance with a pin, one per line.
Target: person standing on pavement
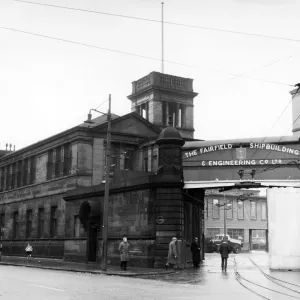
(225, 249)
(195, 249)
(124, 253)
(28, 250)
(172, 254)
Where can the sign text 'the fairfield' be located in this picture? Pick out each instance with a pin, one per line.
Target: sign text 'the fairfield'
(261, 146)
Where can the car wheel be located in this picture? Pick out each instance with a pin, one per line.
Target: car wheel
(237, 250)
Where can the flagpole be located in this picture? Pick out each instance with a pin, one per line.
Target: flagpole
(162, 37)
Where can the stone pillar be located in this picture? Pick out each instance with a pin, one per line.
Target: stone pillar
(168, 202)
(284, 225)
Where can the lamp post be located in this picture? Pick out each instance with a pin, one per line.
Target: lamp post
(1, 230)
(225, 208)
(106, 190)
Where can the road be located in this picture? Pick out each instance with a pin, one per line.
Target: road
(207, 282)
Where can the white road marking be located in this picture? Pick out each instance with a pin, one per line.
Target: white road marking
(48, 287)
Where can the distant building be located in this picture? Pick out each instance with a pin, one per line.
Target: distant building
(246, 217)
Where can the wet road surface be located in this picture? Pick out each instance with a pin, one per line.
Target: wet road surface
(208, 282)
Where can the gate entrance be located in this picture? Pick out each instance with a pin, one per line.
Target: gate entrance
(92, 243)
(245, 165)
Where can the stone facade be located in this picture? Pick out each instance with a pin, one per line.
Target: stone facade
(156, 97)
(51, 192)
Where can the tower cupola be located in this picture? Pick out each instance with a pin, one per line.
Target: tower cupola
(157, 96)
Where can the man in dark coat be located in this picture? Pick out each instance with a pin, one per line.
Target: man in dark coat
(172, 254)
(225, 249)
(195, 249)
(124, 253)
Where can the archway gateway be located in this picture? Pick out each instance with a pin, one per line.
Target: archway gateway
(271, 163)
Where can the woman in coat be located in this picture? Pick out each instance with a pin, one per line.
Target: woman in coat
(124, 253)
(172, 254)
(195, 249)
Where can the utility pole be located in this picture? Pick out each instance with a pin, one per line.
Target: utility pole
(106, 192)
(162, 37)
(225, 208)
(1, 240)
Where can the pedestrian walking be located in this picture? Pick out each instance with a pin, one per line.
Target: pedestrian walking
(124, 253)
(195, 249)
(172, 254)
(225, 249)
(28, 250)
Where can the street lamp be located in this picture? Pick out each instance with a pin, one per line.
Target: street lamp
(226, 207)
(1, 231)
(106, 191)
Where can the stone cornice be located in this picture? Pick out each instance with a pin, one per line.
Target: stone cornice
(159, 88)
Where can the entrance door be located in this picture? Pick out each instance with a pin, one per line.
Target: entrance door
(258, 239)
(92, 243)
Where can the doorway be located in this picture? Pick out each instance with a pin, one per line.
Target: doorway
(258, 239)
(92, 243)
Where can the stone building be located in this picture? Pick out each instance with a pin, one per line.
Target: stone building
(51, 192)
(246, 217)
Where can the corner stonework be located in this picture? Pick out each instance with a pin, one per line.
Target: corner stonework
(169, 201)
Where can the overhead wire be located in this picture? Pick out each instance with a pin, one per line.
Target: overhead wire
(273, 125)
(133, 54)
(177, 24)
(165, 22)
(170, 23)
(101, 104)
(267, 169)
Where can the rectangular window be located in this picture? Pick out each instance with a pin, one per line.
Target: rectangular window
(2, 221)
(237, 234)
(15, 225)
(58, 162)
(53, 221)
(229, 209)
(41, 222)
(50, 165)
(13, 176)
(29, 223)
(206, 208)
(212, 232)
(32, 170)
(240, 210)
(67, 159)
(216, 209)
(264, 210)
(25, 171)
(8, 178)
(19, 173)
(128, 163)
(253, 210)
(2, 176)
(145, 159)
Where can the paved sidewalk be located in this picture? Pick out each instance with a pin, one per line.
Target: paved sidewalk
(93, 268)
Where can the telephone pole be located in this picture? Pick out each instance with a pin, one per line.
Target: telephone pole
(106, 191)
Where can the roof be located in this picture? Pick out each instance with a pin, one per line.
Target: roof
(273, 139)
(4, 152)
(99, 121)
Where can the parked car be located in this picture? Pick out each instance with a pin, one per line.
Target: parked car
(234, 243)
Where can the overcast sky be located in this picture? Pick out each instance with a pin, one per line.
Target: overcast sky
(47, 86)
